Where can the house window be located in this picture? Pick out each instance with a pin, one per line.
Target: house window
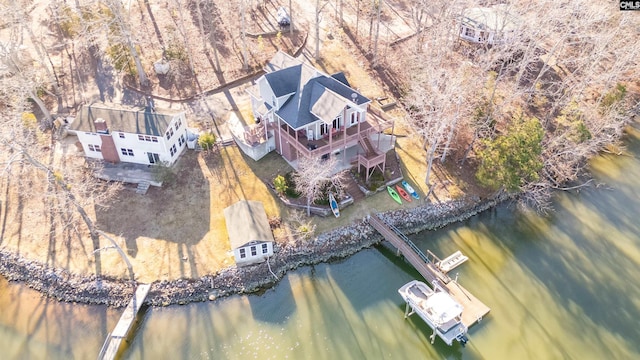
(336, 122)
(264, 248)
(254, 251)
(121, 135)
(355, 118)
(168, 136)
(126, 152)
(148, 138)
(324, 128)
(180, 140)
(95, 148)
(243, 253)
(468, 32)
(174, 150)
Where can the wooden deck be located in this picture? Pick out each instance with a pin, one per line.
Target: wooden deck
(112, 343)
(474, 309)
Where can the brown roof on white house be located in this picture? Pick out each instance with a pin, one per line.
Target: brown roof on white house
(247, 223)
(138, 120)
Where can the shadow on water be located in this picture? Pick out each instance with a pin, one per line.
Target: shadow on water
(584, 267)
(279, 308)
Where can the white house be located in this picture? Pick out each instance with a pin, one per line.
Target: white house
(488, 25)
(249, 232)
(140, 135)
(307, 113)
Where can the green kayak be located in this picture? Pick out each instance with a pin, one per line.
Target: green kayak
(394, 195)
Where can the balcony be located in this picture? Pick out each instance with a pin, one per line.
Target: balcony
(338, 139)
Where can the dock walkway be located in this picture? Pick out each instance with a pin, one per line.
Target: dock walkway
(112, 343)
(474, 309)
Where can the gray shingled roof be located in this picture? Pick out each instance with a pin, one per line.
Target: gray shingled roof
(340, 76)
(285, 81)
(297, 110)
(246, 223)
(312, 91)
(129, 120)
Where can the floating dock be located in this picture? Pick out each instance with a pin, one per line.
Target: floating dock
(432, 271)
(114, 339)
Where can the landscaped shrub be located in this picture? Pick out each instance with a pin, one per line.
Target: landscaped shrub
(280, 184)
(207, 141)
(291, 186)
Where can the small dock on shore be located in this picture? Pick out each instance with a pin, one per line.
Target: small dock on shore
(114, 339)
(434, 270)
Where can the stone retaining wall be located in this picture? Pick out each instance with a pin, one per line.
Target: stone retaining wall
(336, 244)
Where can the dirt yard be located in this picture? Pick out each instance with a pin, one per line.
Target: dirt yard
(178, 231)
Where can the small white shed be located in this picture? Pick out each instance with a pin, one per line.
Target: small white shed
(249, 232)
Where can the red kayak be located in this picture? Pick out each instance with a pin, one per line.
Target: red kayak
(403, 193)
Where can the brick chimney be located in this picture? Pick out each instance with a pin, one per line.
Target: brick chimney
(109, 151)
(101, 126)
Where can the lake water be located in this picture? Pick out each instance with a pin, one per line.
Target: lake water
(562, 287)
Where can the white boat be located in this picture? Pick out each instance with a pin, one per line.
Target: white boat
(437, 308)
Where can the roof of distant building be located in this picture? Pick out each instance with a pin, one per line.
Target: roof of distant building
(496, 18)
(139, 120)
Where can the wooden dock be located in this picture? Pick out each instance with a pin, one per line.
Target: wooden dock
(474, 309)
(112, 343)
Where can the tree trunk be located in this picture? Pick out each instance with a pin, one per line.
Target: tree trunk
(42, 106)
(245, 60)
(357, 17)
(50, 72)
(317, 54)
(214, 45)
(142, 76)
(375, 43)
(290, 20)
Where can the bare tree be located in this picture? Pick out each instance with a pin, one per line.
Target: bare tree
(314, 175)
(120, 27)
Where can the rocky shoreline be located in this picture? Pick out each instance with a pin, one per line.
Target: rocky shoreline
(336, 244)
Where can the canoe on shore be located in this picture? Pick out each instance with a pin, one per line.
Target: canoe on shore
(334, 205)
(394, 195)
(403, 193)
(410, 190)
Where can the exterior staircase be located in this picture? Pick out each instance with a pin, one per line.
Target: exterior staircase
(352, 188)
(143, 186)
(367, 146)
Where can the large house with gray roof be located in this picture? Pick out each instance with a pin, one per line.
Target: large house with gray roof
(140, 135)
(307, 113)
